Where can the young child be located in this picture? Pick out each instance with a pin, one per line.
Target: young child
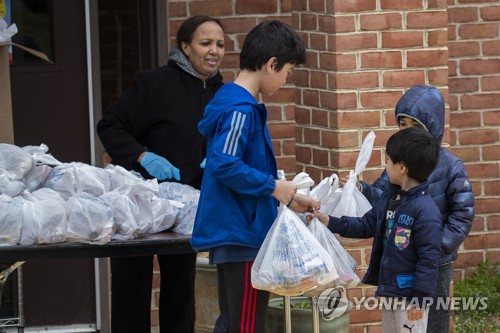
(406, 226)
(448, 186)
(240, 192)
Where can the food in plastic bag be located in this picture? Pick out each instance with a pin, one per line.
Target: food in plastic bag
(66, 178)
(89, 219)
(187, 195)
(36, 177)
(12, 219)
(16, 161)
(10, 187)
(291, 260)
(126, 215)
(44, 218)
(41, 156)
(343, 261)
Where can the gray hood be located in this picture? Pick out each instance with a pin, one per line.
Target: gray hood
(182, 61)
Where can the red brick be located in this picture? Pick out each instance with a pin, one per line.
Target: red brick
(481, 101)
(355, 80)
(479, 136)
(359, 41)
(463, 84)
(469, 259)
(353, 6)
(311, 97)
(328, 61)
(476, 31)
(427, 20)
(311, 136)
(365, 316)
(483, 170)
(492, 153)
(494, 222)
(486, 206)
(177, 9)
(462, 49)
(477, 224)
(380, 21)
(303, 154)
(490, 13)
(238, 25)
(491, 48)
(338, 101)
(427, 58)
(491, 118)
(316, 6)
(331, 139)
(438, 77)
(358, 119)
(374, 328)
(308, 21)
(473, 242)
(404, 79)
(381, 60)
(223, 8)
(467, 154)
(318, 80)
(342, 24)
(319, 118)
(282, 130)
(462, 14)
(320, 157)
(379, 99)
(493, 240)
(437, 38)
(401, 5)
(317, 41)
(254, 6)
(480, 66)
(402, 39)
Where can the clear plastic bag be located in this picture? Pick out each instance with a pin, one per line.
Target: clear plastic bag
(291, 260)
(343, 261)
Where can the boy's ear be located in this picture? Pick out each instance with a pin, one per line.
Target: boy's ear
(403, 169)
(271, 64)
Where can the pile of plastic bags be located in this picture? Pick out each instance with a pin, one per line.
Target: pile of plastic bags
(45, 201)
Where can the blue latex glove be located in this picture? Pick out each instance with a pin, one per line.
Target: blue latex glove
(202, 164)
(159, 167)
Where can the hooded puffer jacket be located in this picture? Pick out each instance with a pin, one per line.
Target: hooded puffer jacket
(448, 184)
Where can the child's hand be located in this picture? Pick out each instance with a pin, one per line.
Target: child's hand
(343, 181)
(322, 217)
(284, 191)
(415, 314)
(302, 203)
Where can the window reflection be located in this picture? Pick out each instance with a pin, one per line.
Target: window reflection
(34, 25)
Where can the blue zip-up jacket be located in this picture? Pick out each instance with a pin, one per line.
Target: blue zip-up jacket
(408, 265)
(448, 184)
(236, 206)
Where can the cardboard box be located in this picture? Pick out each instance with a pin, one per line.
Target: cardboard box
(6, 120)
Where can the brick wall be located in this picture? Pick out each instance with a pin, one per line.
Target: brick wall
(362, 56)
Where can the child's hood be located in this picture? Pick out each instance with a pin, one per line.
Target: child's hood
(228, 97)
(424, 104)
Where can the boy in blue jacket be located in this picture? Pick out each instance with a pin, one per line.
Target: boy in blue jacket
(406, 226)
(449, 187)
(240, 192)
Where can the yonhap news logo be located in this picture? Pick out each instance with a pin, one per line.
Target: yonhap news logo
(333, 303)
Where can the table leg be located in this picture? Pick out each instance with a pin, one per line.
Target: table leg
(315, 311)
(5, 271)
(20, 300)
(288, 314)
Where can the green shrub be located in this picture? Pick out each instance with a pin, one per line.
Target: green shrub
(484, 282)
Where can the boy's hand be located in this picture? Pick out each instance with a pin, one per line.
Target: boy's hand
(343, 181)
(302, 203)
(284, 191)
(415, 314)
(322, 217)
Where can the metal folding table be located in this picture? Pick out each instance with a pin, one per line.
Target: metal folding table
(13, 257)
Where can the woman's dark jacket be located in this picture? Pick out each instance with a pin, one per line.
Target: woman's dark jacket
(408, 265)
(449, 186)
(160, 113)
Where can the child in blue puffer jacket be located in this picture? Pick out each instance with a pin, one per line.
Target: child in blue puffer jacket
(406, 226)
(449, 187)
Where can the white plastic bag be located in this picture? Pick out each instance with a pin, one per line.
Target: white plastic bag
(44, 218)
(291, 260)
(348, 200)
(342, 260)
(11, 215)
(186, 195)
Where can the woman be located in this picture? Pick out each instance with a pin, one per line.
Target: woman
(152, 128)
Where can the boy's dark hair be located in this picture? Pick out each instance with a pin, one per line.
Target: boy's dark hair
(417, 149)
(272, 39)
(189, 26)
